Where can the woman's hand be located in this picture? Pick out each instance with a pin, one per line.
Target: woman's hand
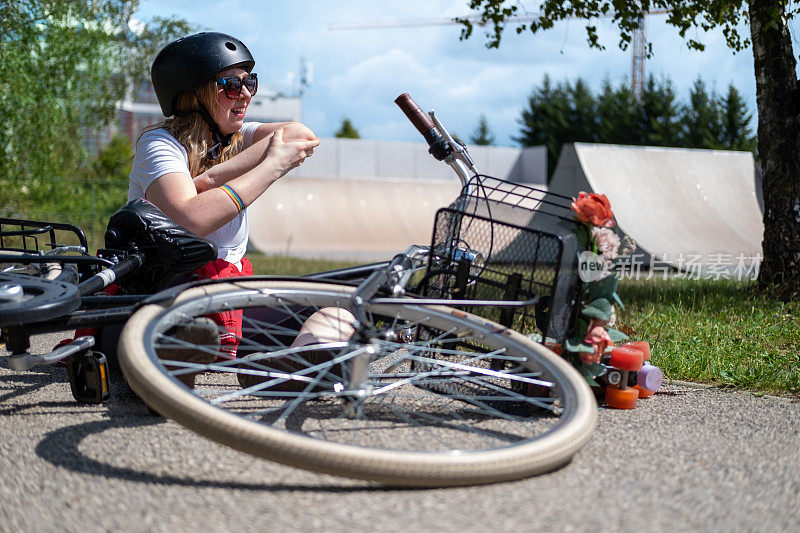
(285, 155)
(292, 131)
(295, 131)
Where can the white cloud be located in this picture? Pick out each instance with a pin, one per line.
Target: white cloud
(378, 71)
(358, 73)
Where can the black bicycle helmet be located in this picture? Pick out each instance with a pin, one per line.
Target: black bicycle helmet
(189, 62)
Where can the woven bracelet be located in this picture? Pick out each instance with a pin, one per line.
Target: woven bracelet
(233, 196)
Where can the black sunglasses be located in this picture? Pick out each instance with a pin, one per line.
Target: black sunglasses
(232, 85)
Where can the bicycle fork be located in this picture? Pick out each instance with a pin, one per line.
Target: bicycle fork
(395, 276)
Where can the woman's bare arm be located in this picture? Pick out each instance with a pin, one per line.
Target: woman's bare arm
(247, 159)
(203, 212)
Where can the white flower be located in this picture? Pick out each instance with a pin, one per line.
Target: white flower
(628, 246)
(607, 242)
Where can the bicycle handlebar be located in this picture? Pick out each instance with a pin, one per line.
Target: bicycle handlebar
(106, 277)
(442, 145)
(415, 114)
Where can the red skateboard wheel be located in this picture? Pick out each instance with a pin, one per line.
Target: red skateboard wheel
(625, 358)
(642, 346)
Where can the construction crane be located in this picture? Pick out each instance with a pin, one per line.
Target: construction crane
(638, 45)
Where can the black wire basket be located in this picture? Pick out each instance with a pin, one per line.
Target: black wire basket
(508, 242)
(33, 236)
(40, 248)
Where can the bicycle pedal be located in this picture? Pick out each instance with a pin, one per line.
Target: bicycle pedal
(88, 377)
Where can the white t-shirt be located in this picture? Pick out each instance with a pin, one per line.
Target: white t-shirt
(159, 153)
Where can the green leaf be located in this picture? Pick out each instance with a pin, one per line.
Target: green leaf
(577, 345)
(589, 371)
(602, 288)
(589, 378)
(616, 335)
(583, 235)
(599, 309)
(619, 302)
(596, 369)
(572, 358)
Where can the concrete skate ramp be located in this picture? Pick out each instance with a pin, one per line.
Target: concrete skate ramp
(347, 219)
(675, 203)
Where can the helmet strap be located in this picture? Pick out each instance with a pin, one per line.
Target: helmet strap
(218, 140)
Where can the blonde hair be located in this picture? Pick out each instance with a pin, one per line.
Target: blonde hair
(192, 132)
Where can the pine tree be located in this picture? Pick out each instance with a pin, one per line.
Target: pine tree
(567, 113)
(482, 136)
(701, 120)
(618, 115)
(545, 121)
(582, 121)
(736, 134)
(347, 130)
(660, 119)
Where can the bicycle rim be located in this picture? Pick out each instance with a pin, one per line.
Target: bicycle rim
(383, 422)
(25, 299)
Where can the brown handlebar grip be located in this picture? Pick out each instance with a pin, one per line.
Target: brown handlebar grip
(417, 116)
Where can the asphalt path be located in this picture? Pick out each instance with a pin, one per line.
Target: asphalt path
(689, 459)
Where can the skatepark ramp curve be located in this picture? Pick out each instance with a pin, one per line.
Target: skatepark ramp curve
(363, 200)
(683, 207)
(347, 219)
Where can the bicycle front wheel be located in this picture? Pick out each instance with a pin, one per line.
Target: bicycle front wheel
(355, 405)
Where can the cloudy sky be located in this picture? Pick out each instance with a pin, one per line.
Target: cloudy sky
(358, 73)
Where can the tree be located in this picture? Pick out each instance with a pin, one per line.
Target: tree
(347, 130)
(63, 68)
(736, 133)
(582, 116)
(777, 92)
(552, 118)
(114, 160)
(614, 116)
(482, 136)
(544, 120)
(660, 121)
(701, 125)
(618, 120)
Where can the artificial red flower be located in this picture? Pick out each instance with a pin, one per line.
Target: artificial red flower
(594, 209)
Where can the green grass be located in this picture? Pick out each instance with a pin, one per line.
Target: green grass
(721, 332)
(291, 266)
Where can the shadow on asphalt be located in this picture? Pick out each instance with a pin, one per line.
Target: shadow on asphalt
(20, 384)
(61, 447)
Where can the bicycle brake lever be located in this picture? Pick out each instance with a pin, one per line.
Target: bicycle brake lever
(459, 150)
